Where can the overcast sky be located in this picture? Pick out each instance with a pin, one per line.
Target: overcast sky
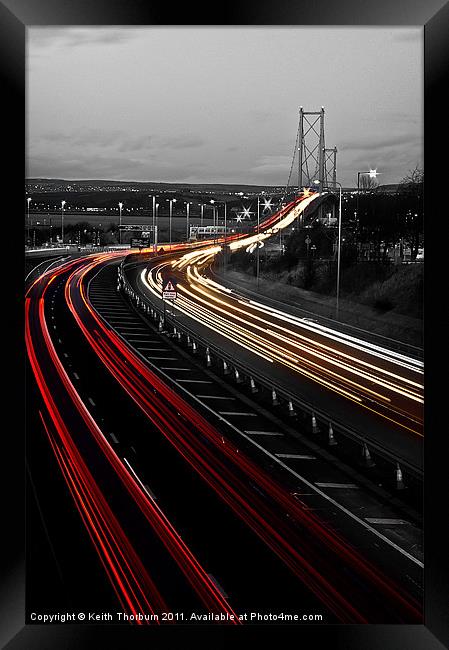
(220, 104)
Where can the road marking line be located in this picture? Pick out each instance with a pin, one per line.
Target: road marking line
(134, 340)
(144, 487)
(150, 492)
(374, 520)
(193, 381)
(218, 586)
(154, 349)
(75, 375)
(237, 413)
(349, 486)
(131, 329)
(122, 320)
(264, 433)
(112, 309)
(117, 317)
(91, 401)
(167, 368)
(299, 456)
(215, 397)
(114, 438)
(161, 358)
(117, 312)
(120, 313)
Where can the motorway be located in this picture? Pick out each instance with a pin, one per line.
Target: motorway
(378, 392)
(321, 366)
(183, 511)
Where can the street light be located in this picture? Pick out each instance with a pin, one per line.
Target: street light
(120, 206)
(225, 230)
(157, 227)
(153, 196)
(257, 250)
(372, 174)
(171, 201)
(225, 237)
(188, 204)
(337, 304)
(28, 218)
(202, 213)
(212, 201)
(62, 221)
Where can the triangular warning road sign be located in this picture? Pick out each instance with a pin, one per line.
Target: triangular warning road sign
(169, 286)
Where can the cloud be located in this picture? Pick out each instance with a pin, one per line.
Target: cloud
(85, 165)
(82, 166)
(82, 137)
(137, 143)
(374, 144)
(401, 117)
(179, 141)
(45, 37)
(272, 167)
(260, 115)
(402, 35)
(118, 140)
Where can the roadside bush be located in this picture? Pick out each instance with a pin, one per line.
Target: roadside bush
(383, 304)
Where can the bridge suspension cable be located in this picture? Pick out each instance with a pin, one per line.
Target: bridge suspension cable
(291, 167)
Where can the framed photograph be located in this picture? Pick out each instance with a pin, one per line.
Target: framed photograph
(225, 380)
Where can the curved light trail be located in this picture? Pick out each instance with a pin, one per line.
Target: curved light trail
(350, 586)
(312, 551)
(379, 380)
(129, 578)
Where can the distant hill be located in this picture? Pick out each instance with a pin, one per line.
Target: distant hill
(57, 184)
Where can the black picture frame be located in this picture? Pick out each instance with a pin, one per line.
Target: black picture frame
(15, 16)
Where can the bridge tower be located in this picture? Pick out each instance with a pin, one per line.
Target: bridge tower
(330, 167)
(311, 149)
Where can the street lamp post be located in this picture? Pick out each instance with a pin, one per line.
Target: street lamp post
(372, 174)
(212, 201)
(62, 221)
(225, 238)
(337, 303)
(28, 218)
(154, 222)
(171, 201)
(157, 227)
(257, 250)
(225, 207)
(120, 206)
(188, 204)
